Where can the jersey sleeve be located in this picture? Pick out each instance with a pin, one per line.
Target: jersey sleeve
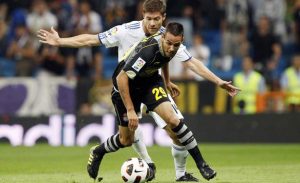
(112, 37)
(182, 55)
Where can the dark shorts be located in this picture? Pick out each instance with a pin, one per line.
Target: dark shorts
(152, 94)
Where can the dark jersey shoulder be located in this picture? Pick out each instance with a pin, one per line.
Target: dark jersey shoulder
(144, 61)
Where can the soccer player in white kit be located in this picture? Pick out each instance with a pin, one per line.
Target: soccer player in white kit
(124, 37)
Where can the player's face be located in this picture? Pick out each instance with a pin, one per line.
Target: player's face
(152, 22)
(171, 44)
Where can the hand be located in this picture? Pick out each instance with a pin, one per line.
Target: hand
(173, 89)
(47, 37)
(133, 120)
(232, 90)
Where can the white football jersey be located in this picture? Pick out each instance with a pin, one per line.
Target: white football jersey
(126, 35)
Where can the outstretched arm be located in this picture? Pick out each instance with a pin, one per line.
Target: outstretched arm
(52, 38)
(199, 68)
(123, 86)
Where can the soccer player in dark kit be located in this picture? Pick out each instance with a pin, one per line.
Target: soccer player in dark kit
(137, 80)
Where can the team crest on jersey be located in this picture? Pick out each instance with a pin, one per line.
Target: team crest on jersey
(112, 31)
(139, 63)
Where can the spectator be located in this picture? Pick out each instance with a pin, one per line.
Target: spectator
(22, 51)
(51, 65)
(297, 23)
(51, 61)
(3, 31)
(40, 17)
(14, 5)
(67, 15)
(234, 38)
(275, 10)
(114, 15)
(5, 69)
(290, 83)
(3, 10)
(213, 14)
(250, 82)
(88, 60)
(266, 50)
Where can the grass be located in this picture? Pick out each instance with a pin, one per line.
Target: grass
(235, 163)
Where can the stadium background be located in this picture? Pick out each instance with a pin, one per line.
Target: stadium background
(61, 97)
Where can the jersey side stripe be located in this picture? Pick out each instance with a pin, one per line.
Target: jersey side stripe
(102, 35)
(187, 53)
(134, 27)
(162, 30)
(135, 23)
(187, 59)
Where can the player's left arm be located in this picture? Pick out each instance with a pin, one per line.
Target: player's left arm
(199, 68)
(173, 89)
(123, 86)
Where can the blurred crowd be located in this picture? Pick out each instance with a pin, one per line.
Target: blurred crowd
(231, 37)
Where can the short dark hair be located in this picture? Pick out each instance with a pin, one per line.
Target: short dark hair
(154, 6)
(175, 28)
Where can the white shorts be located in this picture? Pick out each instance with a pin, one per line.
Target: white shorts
(158, 120)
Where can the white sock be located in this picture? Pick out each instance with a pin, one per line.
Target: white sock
(179, 154)
(140, 147)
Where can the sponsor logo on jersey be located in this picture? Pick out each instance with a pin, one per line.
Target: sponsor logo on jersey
(131, 74)
(139, 63)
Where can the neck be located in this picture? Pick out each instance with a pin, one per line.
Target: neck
(161, 50)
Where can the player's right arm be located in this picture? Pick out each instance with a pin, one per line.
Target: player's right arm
(52, 38)
(173, 89)
(123, 86)
(132, 68)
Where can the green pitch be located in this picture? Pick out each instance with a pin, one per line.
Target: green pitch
(235, 163)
